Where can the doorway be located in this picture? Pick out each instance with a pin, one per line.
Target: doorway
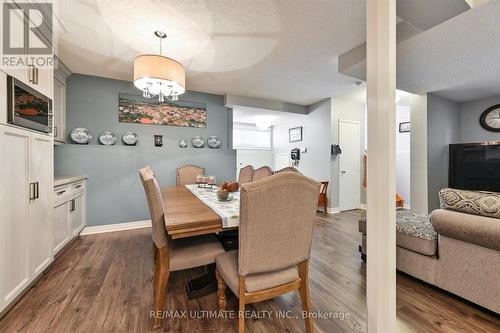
(349, 165)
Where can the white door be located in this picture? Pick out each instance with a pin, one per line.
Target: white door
(59, 110)
(60, 226)
(41, 210)
(349, 165)
(14, 213)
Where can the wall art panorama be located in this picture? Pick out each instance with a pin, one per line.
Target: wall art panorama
(136, 109)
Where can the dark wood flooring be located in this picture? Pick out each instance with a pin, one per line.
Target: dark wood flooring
(103, 283)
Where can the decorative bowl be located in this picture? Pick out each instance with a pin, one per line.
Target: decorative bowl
(213, 142)
(107, 138)
(81, 135)
(223, 195)
(198, 142)
(130, 138)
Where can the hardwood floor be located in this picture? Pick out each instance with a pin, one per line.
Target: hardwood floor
(103, 283)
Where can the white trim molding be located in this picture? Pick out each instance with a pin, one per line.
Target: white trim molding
(99, 229)
(333, 210)
(363, 206)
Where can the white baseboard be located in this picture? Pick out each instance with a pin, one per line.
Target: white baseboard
(362, 206)
(333, 210)
(99, 229)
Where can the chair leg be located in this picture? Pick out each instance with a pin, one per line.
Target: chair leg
(221, 291)
(160, 283)
(241, 313)
(324, 205)
(304, 294)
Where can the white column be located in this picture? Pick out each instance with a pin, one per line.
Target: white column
(381, 233)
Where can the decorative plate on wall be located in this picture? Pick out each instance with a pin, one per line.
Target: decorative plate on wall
(183, 143)
(81, 135)
(130, 138)
(213, 142)
(107, 138)
(198, 142)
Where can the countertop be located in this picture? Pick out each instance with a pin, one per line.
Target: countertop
(58, 181)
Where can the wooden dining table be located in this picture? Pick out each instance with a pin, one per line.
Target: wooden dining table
(188, 216)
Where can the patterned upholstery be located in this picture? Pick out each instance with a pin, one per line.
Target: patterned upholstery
(288, 169)
(413, 232)
(187, 174)
(262, 172)
(246, 175)
(471, 202)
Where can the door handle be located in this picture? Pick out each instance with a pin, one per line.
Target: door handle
(343, 171)
(32, 191)
(36, 75)
(73, 206)
(55, 131)
(37, 190)
(31, 74)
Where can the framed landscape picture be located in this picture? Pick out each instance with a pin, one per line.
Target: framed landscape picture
(295, 134)
(140, 110)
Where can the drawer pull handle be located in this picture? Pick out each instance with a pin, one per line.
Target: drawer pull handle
(78, 186)
(61, 192)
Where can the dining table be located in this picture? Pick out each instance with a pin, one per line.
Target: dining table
(186, 215)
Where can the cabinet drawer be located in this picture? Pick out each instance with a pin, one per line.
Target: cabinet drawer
(61, 194)
(78, 187)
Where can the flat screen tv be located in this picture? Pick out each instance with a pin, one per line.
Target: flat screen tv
(475, 166)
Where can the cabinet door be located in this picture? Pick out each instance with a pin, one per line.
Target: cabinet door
(14, 213)
(41, 173)
(60, 226)
(59, 105)
(77, 214)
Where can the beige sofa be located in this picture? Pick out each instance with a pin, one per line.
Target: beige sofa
(456, 248)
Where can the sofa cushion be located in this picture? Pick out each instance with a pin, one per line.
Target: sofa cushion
(471, 202)
(413, 232)
(478, 230)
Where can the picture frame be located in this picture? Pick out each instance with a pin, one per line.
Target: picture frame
(404, 127)
(295, 134)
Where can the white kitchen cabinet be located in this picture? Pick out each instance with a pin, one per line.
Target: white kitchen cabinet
(42, 176)
(59, 110)
(15, 206)
(69, 210)
(26, 176)
(60, 226)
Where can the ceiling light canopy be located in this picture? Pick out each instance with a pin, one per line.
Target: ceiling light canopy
(157, 75)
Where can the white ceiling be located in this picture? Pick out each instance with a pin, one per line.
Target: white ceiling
(284, 50)
(281, 50)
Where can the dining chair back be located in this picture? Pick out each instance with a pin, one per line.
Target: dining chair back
(155, 203)
(276, 224)
(287, 169)
(262, 172)
(323, 196)
(187, 174)
(246, 175)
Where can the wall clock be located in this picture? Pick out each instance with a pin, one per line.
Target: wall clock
(490, 119)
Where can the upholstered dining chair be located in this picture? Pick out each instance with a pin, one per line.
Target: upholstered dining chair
(246, 175)
(287, 169)
(276, 224)
(262, 172)
(172, 255)
(187, 174)
(323, 197)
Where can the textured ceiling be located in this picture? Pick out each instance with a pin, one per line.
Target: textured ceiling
(281, 50)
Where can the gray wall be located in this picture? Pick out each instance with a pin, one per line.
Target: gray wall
(114, 193)
(443, 128)
(470, 129)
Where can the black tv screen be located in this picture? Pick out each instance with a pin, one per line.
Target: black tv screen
(475, 166)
